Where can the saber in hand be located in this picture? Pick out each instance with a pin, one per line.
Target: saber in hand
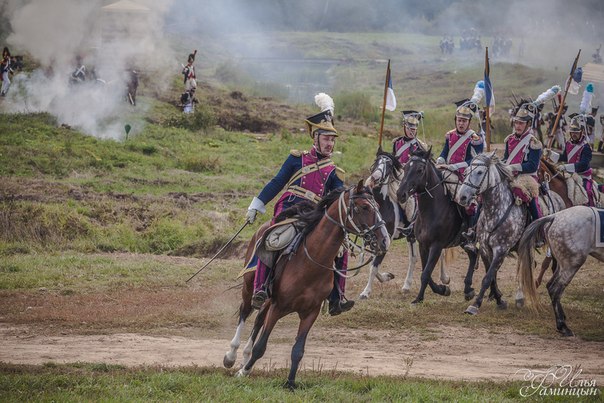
(220, 251)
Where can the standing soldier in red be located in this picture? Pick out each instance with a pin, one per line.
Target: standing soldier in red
(307, 175)
(188, 72)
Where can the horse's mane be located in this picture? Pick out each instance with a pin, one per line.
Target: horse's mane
(503, 169)
(396, 164)
(295, 210)
(550, 166)
(420, 152)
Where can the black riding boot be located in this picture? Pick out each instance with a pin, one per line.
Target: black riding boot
(469, 237)
(337, 301)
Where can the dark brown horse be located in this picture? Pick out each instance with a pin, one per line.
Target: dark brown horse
(439, 222)
(305, 279)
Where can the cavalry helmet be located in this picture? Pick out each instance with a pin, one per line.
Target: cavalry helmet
(322, 122)
(466, 109)
(411, 119)
(577, 123)
(526, 112)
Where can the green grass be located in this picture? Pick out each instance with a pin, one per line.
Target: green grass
(83, 381)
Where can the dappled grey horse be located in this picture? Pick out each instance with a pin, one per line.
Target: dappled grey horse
(572, 235)
(385, 179)
(501, 220)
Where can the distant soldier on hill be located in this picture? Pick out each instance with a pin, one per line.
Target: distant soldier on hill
(597, 58)
(5, 71)
(188, 72)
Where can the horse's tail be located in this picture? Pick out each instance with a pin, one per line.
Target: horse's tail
(526, 259)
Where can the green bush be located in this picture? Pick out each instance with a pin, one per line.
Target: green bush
(201, 164)
(164, 235)
(356, 105)
(201, 119)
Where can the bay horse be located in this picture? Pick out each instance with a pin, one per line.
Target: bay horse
(304, 279)
(572, 237)
(439, 222)
(385, 179)
(501, 220)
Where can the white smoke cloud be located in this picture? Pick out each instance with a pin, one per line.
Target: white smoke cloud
(107, 37)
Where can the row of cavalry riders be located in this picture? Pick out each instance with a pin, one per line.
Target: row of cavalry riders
(299, 258)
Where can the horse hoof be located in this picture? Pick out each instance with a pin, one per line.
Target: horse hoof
(385, 277)
(472, 310)
(566, 332)
(520, 303)
(502, 305)
(406, 291)
(447, 291)
(364, 296)
(227, 362)
(242, 373)
(445, 280)
(470, 295)
(416, 302)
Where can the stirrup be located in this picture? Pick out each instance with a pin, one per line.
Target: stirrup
(258, 299)
(337, 307)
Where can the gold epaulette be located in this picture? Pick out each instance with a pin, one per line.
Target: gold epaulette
(340, 173)
(296, 153)
(508, 136)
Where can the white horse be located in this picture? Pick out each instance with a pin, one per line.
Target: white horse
(572, 235)
(385, 179)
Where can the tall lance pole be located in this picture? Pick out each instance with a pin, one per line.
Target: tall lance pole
(560, 107)
(384, 105)
(488, 107)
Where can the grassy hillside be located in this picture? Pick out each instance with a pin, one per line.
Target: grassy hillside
(181, 184)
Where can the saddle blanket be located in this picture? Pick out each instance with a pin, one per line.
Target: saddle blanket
(599, 227)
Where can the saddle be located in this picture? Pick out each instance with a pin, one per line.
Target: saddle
(280, 239)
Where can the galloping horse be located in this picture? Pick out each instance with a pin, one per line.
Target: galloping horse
(384, 179)
(439, 221)
(572, 236)
(501, 221)
(304, 279)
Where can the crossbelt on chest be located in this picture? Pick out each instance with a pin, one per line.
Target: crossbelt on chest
(308, 169)
(304, 193)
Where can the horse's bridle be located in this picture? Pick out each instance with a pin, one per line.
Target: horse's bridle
(427, 190)
(346, 219)
(383, 172)
(469, 183)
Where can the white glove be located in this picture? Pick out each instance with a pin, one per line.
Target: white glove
(250, 216)
(516, 167)
(440, 161)
(255, 206)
